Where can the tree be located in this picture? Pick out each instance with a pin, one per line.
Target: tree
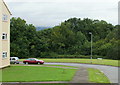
(21, 38)
(69, 38)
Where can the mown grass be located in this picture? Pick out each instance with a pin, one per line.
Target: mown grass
(47, 65)
(36, 73)
(96, 76)
(86, 61)
(0, 75)
(60, 66)
(56, 84)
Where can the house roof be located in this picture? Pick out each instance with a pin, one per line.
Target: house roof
(7, 7)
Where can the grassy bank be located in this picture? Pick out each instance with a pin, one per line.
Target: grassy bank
(88, 61)
(96, 76)
(36, 73)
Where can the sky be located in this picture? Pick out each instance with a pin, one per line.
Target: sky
(50, 13)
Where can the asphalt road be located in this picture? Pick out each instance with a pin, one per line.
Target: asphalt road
(110, 71)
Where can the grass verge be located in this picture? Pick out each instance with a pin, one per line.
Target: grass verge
(60, 66)
(36, 73)
(47, 65)
(86, 61)
(97, 76)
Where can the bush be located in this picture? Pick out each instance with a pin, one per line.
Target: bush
(96, 56)
(48, 55)
(53, 55)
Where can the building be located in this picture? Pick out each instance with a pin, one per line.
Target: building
(4, 35)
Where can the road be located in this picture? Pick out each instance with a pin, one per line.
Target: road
(110, 71)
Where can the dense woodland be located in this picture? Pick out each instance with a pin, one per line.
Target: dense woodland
(70, 39)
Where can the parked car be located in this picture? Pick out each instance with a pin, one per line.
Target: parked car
(33, 61)
(14, 60)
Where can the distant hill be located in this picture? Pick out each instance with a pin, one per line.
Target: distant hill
(41, 28)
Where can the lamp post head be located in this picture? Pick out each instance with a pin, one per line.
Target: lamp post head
(90, 33)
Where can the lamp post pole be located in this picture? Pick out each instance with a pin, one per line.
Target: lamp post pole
(91, 45)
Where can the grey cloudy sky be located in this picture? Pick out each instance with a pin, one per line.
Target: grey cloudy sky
(53, 12)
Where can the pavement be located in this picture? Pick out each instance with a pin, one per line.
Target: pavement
(81, 76)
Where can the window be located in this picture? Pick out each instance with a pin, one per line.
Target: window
(5, 17)
(13, 58)
(4, 55)
(32, 59)
(4, 36)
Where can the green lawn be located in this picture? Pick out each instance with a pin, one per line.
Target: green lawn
(48, 65)
(52, 84)
(60, 65)
(56, 84)
(36, 73)
(88, 61)
(96, 76)
(0, 75)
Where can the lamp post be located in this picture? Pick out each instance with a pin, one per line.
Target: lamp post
(91, 45)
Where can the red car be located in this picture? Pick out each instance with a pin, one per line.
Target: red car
(33, 61)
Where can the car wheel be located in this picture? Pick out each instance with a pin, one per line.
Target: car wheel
(26, 63)
(15, 63)
(38, 62)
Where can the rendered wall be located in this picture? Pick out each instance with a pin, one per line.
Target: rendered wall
(0, 41)
(5, 44)
(0, 33)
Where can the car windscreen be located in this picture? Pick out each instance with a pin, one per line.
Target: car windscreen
(36, 59)
(13, 59)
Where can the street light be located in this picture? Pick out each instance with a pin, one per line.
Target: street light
(91, 45)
